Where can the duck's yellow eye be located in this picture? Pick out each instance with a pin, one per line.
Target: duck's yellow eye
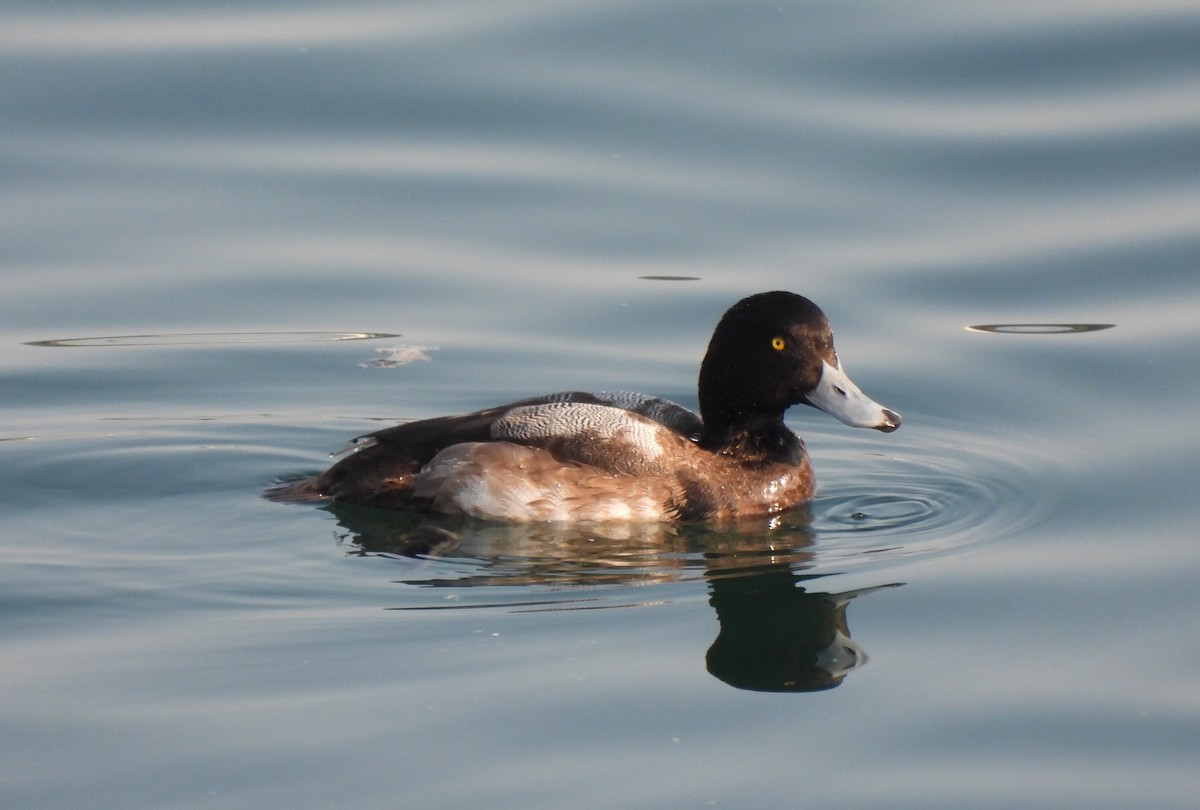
(777, 343)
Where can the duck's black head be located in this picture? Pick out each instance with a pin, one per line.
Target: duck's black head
(771, 351)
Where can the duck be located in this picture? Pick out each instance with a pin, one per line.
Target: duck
(574, 456)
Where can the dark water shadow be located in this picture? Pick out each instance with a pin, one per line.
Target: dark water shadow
(779, 632)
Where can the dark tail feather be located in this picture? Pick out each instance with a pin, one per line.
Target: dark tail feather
(296, 490)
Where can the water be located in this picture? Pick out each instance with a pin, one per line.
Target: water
(991, 607)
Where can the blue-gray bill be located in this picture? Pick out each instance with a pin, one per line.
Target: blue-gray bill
(838, 396)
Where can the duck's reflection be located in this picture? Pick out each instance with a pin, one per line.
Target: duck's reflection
(777, 634)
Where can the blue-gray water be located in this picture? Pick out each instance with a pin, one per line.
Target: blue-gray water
(491, 182)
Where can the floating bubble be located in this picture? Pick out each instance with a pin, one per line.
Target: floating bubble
(394, 356)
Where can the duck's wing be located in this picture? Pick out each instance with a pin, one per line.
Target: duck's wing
(426, 437)
(607, 437)
(382, 466)
(563, 460)
(619, 432)
(667, 413)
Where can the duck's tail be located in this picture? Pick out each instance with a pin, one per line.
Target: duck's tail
(296, 490)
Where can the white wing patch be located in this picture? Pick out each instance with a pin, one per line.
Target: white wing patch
(607, 431)
(667, 413)
(663, 411)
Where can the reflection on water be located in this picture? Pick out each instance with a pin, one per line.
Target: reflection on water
(776, 634)
(500, 554)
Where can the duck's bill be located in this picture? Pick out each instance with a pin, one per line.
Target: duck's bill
(839, 397)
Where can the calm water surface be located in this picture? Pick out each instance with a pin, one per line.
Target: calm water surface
(233, 237)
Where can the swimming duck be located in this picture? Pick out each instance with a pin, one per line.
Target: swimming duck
(574, 456)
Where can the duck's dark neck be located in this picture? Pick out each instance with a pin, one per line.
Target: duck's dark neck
(763, 439)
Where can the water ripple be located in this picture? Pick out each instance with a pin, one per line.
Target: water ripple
(949, 491)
